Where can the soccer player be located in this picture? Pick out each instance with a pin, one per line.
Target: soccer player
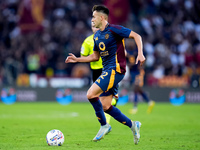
(137, 79)
(96, 66)
(109, 44)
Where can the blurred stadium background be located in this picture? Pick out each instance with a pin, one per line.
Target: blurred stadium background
(37, 35)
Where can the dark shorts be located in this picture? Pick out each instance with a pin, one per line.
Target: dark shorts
(108, 82)
(95, 74)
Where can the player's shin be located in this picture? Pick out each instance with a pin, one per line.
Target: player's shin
(145, 97)
(119, 116)
(98, 110)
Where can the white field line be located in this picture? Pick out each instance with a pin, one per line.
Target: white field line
(40, 116)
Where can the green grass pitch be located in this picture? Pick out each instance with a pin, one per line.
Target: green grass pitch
(23, 126)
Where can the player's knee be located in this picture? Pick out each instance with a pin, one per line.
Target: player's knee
(105, 107)
(90, 95)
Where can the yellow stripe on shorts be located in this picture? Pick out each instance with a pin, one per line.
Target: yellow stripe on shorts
(112, 79)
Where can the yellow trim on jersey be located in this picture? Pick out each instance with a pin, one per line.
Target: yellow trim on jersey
(117, 65)
(112, 79)
(87, 49)
(123, 42)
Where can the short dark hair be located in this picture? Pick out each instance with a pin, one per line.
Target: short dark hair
(101, 8)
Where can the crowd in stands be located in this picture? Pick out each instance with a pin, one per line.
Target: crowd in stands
(170, 30)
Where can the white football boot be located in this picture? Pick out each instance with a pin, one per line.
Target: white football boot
(102, 132)
(136, 131)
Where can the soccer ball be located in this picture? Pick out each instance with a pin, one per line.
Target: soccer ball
(55, 138)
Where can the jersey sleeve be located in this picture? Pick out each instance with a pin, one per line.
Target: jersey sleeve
(120, 30)
(85, 49)
(95, 46)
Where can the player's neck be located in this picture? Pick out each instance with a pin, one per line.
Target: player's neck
(104, 23)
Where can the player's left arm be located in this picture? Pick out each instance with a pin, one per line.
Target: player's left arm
(138, 41)
(127, 33)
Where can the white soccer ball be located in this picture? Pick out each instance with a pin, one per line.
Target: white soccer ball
(55, 138)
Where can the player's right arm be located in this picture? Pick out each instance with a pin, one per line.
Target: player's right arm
(73, 59)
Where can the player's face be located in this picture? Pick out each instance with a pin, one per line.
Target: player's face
(96, 19)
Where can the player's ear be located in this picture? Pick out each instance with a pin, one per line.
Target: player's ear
(104, 17)
(101, 17)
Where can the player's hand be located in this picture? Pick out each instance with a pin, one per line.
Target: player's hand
(71, 59)
(140, 58)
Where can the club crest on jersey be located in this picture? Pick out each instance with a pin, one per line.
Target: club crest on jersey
(102, 46)
(96, 38)
(106, 36)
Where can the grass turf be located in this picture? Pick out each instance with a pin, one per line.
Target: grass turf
(23, 126)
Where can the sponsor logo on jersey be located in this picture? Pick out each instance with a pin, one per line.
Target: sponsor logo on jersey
(102, 46)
